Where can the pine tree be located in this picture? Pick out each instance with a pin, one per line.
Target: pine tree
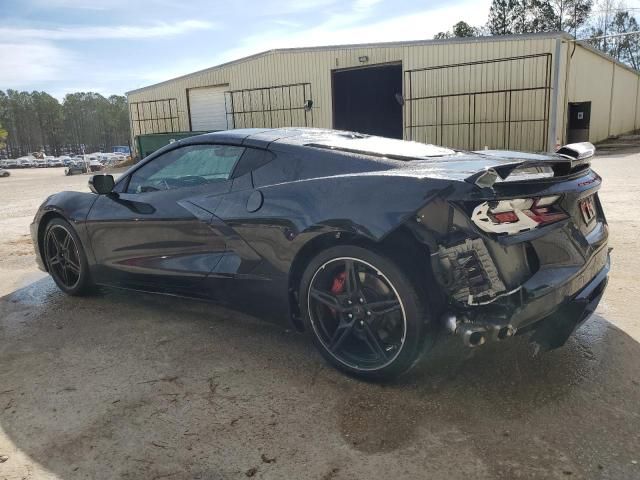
(460, 30)
(518, 16)
(463, 29)
(3, 137)
(558, 15)
(499, 22)
(624, 45)
(507, 17)
(37, 120)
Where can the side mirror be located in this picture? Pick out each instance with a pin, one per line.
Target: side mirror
(101, 184)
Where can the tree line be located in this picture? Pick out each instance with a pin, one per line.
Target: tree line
(36, 121)
(607, 25)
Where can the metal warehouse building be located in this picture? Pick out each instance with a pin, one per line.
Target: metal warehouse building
(524, 92)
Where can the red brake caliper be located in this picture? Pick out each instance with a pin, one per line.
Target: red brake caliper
(338, 287)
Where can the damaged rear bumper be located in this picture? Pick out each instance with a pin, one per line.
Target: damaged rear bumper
(551, 310)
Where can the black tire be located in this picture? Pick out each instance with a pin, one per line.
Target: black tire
(394, 354)
(69, 267)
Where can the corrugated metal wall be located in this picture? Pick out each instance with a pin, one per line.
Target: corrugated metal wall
(501, 103)
(314, 66)
(637, 122)
(611, 88)
(623, 104)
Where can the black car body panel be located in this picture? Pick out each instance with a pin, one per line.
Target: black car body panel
(239, 241)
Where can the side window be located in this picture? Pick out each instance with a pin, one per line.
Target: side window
(186, 167)
(251, 159)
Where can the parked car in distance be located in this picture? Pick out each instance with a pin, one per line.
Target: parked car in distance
(56, 162)
(122, 149)
(25, 162)
(374, 246)
(4, 173)
(94, 164)
(74, 168)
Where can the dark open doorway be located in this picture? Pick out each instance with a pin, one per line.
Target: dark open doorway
(579, 121)
(366, 100)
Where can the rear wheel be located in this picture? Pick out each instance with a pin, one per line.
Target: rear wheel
(365, 313)
(65, 258)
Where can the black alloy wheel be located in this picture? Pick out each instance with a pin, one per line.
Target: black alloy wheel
(65, 258)
(363, 312)
(62, 256)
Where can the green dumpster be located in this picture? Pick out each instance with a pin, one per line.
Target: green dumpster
(149, 143)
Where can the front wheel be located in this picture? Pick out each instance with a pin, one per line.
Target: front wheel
(364, 311)
(65, 258)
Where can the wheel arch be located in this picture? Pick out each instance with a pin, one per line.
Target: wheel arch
(401, 245)
(42, 227)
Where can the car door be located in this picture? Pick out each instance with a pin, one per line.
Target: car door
(151, 234)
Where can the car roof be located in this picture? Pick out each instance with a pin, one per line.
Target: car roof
(337, 140)
(265, 136)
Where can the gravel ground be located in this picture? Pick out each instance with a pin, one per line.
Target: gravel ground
(135, 386)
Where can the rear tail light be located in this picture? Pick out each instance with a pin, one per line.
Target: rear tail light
(544, 215)
(504, 217)
(517, 215)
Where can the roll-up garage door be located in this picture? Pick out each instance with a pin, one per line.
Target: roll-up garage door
(206, 106)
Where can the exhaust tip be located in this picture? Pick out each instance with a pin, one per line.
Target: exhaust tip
(476, 339)
(506, 332)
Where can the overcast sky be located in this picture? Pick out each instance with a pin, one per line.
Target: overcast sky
(111, 46)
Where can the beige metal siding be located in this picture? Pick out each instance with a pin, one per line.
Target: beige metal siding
(499, 104)
(623, 104)
(637, 120)
(315, 65)
(610, 88)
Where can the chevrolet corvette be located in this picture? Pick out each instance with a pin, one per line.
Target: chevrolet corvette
(373, 246)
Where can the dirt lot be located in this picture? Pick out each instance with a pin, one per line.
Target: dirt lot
(126, 385)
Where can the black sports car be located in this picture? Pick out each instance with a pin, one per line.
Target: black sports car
(372, 245)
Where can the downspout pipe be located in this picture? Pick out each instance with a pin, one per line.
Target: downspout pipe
(553, 120)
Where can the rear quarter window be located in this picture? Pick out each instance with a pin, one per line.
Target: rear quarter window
(252, 159)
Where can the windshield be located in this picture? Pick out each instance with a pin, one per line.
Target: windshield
(382, 147)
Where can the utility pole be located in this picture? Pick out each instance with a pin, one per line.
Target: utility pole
(606, 23)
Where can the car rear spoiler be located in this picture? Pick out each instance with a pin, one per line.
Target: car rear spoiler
(564, 161)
